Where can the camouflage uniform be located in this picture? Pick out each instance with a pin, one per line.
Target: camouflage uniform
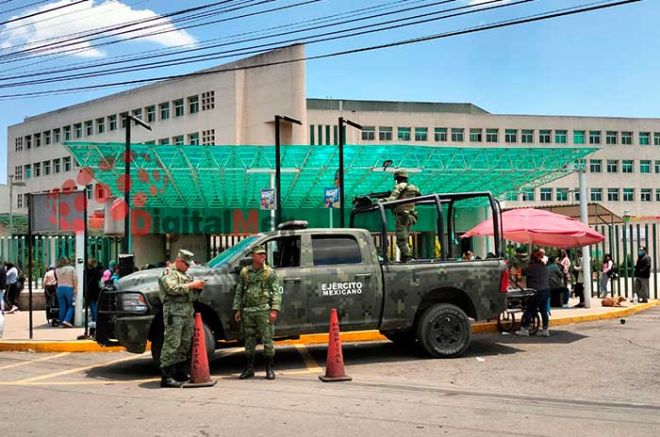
(405, 214)
(257, 293)
(178, 314)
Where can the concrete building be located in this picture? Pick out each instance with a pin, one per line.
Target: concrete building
(235, 104)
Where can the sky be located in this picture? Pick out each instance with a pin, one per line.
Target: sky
(601, 63)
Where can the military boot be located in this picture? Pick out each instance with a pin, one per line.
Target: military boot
(249, 368)
(270, 372)
(181, 373)
(167, 380)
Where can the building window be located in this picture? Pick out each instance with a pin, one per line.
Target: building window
(545, 136)
(57, 165)
(421, 134)
(151, 113)
(46, 165)
(178, 108)
(37, 140)
(626, 138)
(656, 138)
(67, 163)
(164, 110)
(56, 135)
(528, 196)
(645, 166)
(18, 144)
(511, 135)
(457, 134)
(595, 165)
(594, 137)
(28, 171)
(561, 136)
(440, 134)
(193, 104)
(645, 194)
(193, 139)
(311, 134)
(612, 166)
(596, 194)
(89, 128)
(578, 137)
(384, 133)
(46, 136)
(208, 136)
(100, 125)
(492, 135)
(475, 135)
(546, 194)
(657, 166)
(645, 138)
(151, 143)
(112, 122)
(527, 136)
(18, 172)
(67, 133)
(177, 140)
(164, 141)
(612, 194)
(657, 194)
(626, 166)
(561, 194)
(77, 130)
(19, 201)
(628, 194)
(208, 100)
(403, 133)
(28, 142)
(137, 113)
(368, 133)
(611, 137)
(122, 119)
(37, 169)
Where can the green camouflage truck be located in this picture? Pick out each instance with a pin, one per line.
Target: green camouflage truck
(430, 301)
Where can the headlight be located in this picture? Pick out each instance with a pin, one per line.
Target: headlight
(133, 302)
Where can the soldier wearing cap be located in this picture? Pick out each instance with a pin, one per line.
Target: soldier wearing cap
(256, 306)
(405, 214)
(178, 291)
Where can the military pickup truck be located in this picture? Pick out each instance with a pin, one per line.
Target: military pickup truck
(429, 301)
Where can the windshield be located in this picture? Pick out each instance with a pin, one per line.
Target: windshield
(228, 254)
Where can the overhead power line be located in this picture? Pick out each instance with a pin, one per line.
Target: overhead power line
(45, 11)
(21, 7)
(490, 26)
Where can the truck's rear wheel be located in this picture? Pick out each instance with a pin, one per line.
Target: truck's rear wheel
(444, 331)
(157, 345)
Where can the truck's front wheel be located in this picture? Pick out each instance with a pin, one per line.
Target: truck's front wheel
(444, 331)
(157, 345)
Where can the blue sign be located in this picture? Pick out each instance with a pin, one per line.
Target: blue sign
(331, 198)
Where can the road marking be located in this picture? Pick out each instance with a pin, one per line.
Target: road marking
(310, 362)
(78, 369)
(23, 363)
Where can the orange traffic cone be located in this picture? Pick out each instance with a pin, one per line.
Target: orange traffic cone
(334, 369)
(199, 367)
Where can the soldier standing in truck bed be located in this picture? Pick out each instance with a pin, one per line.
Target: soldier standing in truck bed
(405, 214)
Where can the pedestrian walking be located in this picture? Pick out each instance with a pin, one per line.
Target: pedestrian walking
(3, 287)
(13, 287)
(50, 292)
(605, 272)
(405, 214)
(257, 306)
(537, 278)
(642, 274)
(93, 289)
(67, 289)
(578, 271)
(178, 291)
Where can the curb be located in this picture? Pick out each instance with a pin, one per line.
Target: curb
(309, 339)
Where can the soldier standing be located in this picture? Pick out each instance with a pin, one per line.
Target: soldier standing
(405, 214)
(178, 291)
(257, 305)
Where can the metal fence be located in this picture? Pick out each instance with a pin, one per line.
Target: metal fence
(46, 250)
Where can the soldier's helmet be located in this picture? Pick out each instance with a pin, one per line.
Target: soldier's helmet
(400, 173)
(186, 256)
(259, 249)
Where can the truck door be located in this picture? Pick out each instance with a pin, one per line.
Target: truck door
(343, 276)
(283, 253)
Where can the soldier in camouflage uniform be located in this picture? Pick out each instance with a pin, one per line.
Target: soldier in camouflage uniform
(405, 214)
(178, 291)
(257, 305)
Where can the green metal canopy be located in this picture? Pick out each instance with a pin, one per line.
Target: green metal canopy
(231, 176)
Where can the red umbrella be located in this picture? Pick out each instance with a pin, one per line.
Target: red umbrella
(543, 228)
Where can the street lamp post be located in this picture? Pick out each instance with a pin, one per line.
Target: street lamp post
(342, 140)
(12, 183)
(271, 173)
(278, 172)
(127, 246)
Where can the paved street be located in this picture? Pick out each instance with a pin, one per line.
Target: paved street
(600, 378)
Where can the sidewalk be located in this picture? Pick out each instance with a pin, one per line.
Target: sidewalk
(49, 339)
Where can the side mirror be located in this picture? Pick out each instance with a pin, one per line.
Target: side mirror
(242, 263)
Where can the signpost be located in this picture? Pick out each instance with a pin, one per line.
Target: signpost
(331, 201)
